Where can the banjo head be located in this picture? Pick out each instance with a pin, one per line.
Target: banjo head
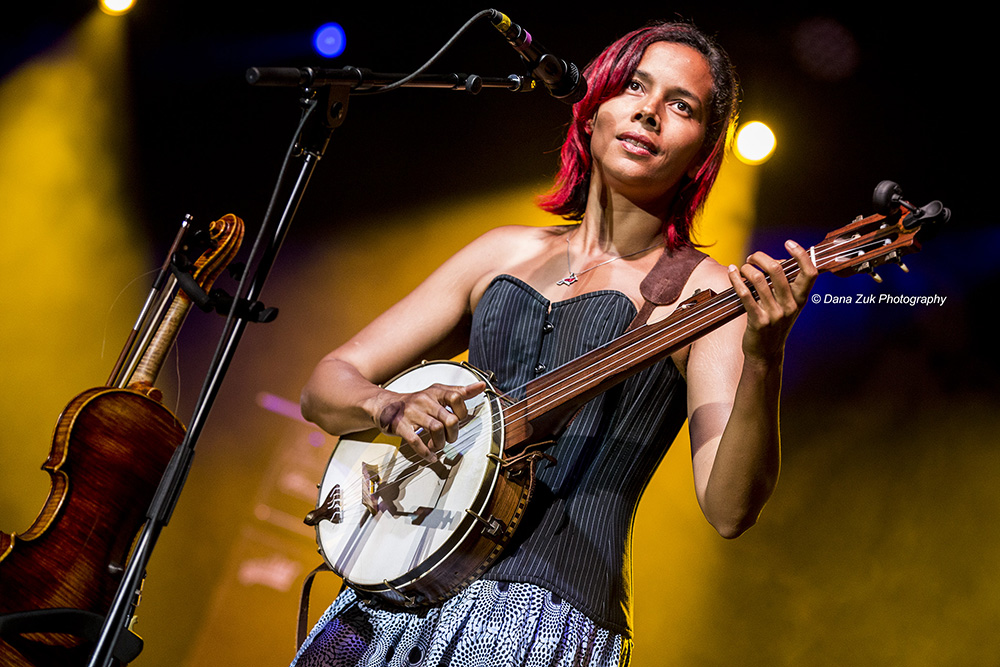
(388, 519)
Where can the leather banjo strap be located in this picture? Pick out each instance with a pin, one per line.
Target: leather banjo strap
(663, 283)
(302, 627)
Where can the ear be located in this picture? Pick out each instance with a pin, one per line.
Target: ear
(695, 167)
(703, 156)
(588, 127)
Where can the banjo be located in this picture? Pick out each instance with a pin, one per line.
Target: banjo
(414, 533)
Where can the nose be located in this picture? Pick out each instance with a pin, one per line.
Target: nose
(648, 118)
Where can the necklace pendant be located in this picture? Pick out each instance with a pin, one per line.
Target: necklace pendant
(568, 280)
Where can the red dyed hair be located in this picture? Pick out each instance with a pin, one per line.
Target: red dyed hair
(606, 77)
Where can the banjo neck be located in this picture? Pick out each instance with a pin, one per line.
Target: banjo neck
(416, 534)
(551, 399)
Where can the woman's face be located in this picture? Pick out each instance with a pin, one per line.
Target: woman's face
(646, 138)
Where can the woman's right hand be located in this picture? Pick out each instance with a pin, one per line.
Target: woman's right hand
(432, 322)
(425, 420)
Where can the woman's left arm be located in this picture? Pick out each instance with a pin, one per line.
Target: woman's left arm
(734, 386)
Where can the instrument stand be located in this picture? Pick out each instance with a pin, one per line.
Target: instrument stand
(324, 106)
(313, 137)
(221, 301)
(77, 622)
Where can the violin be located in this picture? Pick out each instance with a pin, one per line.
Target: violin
(110, 447)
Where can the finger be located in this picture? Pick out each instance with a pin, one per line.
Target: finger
(415, 442)
(440, 409)
(457, 412)
(750, 304)
(450, 422)
(436, 432)
(453, 398)
(458, 395)
(474, 389)
(766, 307)
(427, 414)
(803, 283)
(778, 298)
(394, 420)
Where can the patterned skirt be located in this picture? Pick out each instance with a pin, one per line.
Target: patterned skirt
(489, 623)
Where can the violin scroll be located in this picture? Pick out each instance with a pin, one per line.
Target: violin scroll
(225, 236)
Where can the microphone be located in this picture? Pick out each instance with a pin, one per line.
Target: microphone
(563, 80)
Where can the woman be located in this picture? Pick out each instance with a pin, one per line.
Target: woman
(640, 157)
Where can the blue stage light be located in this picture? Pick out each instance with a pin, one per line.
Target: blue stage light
(330, 40)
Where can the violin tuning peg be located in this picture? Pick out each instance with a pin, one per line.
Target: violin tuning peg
(877, 278)
(904, 267)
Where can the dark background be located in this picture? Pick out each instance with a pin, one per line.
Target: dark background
(880, 546)
(912, 108)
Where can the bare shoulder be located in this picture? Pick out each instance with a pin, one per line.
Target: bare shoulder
(488, 254)
(504, 249)
(709, 274)
(516, 238)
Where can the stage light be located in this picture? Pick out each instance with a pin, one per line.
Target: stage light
(117, 7)
(330, 40)
(754, 143)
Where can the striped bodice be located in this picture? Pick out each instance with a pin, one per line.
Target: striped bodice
(576, 537)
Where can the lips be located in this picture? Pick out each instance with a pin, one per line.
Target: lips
(637, 143)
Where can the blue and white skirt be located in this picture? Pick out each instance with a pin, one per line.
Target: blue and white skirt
(489, 624)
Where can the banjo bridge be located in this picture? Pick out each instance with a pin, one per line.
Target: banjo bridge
(370, 481)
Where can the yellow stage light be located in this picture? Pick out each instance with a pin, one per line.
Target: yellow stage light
(755, 143)
(117, 7)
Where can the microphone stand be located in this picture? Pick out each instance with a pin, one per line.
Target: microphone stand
(363, 80)
(312, 138)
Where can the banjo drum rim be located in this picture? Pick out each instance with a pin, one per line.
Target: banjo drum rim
(403, 588)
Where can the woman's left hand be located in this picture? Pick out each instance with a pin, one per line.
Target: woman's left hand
(770, 316)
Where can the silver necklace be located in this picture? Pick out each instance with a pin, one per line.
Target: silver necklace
(573, 277)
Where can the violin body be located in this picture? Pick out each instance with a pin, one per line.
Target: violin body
(109, 450)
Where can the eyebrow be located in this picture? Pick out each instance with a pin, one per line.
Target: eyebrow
(683, 92)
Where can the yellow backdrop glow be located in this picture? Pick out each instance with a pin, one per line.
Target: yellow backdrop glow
(71, 246)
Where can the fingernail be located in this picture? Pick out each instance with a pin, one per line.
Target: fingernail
(791, 244)
(732, 268)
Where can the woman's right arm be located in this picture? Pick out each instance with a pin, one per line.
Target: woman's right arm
(343, 396)
(341, 400)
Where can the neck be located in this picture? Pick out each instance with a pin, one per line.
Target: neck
(612, 223)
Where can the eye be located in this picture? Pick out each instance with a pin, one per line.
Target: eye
(683, 107)
(634, 86)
